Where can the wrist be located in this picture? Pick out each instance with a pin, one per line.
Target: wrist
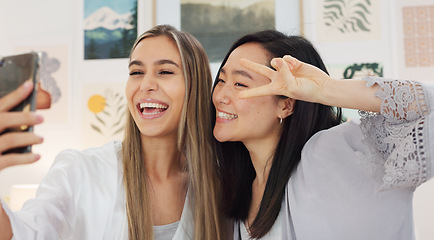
(328, 94)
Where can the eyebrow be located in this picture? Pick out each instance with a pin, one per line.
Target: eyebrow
(159, 62)
(239, 72)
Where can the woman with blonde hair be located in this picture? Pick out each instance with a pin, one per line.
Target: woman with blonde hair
(159, 183)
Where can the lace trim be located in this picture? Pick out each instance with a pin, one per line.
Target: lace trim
(402, 100)
(395, 138)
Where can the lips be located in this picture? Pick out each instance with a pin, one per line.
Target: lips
(152, 109)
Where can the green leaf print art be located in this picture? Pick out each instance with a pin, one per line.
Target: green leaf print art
(347, 16)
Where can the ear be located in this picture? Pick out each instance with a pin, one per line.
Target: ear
(286, 107)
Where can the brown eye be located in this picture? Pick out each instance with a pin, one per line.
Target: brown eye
(135, 73)
(166, 72)
(240, 85)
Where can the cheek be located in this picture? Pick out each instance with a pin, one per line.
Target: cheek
(130, 89)
(258, 108)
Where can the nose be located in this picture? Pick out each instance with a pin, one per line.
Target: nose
(148, 83)
(222, 94)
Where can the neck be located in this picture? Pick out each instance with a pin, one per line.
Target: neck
(262, 153)
(162, 157)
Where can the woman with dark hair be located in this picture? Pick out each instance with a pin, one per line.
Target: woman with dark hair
(291, 170)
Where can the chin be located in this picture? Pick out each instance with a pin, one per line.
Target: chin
(222, 138)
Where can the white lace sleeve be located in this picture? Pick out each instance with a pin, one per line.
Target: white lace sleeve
(396, 138)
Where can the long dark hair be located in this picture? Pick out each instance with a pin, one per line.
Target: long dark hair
(236, 169)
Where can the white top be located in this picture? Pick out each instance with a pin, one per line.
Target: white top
(165, 232)
(356, 180)
(83, 197)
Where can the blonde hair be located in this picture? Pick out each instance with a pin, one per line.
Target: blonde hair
(194, 142)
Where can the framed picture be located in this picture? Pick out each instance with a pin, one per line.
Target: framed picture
(217, 24)
(415, 48)
(107, 31)
(109, 28)
(103, 113)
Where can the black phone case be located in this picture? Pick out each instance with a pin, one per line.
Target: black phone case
(14, 71)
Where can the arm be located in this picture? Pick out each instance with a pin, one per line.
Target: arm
(13, 140)
(397, 150)
(5, 225)
(301, 81)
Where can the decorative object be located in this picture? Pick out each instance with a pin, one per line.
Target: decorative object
(217, 24)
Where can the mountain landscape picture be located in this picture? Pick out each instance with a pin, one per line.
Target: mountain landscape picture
(110, 28)
(218, 23)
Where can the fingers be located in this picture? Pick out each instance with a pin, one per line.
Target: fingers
(278, 85)
(13, 159)
(293, 62)
(14, 98)
(16, 119)
(43, 99)
(256, 67)
(256, 92)
(13, 140)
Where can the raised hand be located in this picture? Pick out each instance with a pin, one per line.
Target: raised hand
(11, 140)
(292, 78)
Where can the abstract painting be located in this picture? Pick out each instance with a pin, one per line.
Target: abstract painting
(342, 20)
(418, 28)
(415, 38)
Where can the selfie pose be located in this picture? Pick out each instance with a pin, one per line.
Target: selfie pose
(290, 168)
(160, 182)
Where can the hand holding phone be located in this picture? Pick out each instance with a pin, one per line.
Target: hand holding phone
(17, 104)
(13, 140)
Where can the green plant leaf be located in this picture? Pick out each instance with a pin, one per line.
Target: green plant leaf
(96, 128)
(363, 16)
(99, 119)
(361, 25)
(363, 7)
(333, 15)
(119, 130)
(332, 6)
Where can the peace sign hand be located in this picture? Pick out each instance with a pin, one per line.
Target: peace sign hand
(292, 78)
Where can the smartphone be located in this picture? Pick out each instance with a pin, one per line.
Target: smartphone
(14, 71)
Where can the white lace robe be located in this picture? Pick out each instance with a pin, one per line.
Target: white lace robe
(356, 180)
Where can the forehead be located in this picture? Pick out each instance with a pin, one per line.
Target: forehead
(159, 47)
(252, 51)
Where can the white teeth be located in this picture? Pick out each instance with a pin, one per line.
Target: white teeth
(226, 115)
(152, 105)
(152, 113)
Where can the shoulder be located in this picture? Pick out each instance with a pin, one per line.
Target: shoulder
(342, 138)
(105, 156)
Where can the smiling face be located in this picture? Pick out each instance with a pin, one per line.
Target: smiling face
(155, 89)
(244, 119)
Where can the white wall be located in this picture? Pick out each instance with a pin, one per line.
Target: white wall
(29, 22)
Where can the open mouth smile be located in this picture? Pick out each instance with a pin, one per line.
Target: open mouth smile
(151, 108)
(226, 116)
